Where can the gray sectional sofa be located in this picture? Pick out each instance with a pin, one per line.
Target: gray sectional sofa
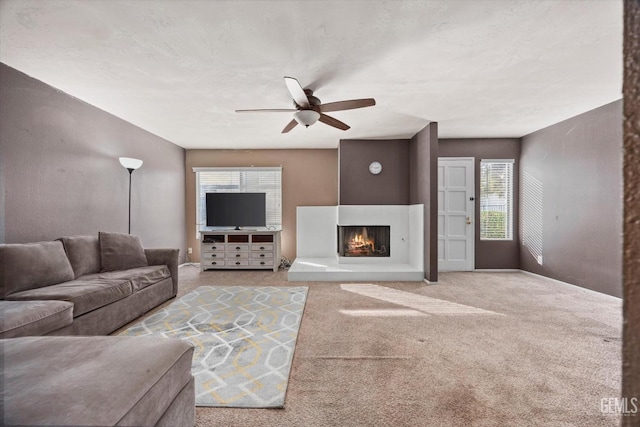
(82, 285)
(56, 299)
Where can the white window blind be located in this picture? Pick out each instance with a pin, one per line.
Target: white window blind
(496, 199)
(240, 180)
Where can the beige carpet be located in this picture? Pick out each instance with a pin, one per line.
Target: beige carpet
(476, 349)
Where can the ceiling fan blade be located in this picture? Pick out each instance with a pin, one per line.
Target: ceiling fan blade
(347, 105)
(268, 110)
(290, 126)
(296, 91)
(328, 120)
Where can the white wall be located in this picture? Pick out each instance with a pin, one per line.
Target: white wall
(317, 231)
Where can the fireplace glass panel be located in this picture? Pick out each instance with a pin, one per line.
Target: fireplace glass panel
(364, 241)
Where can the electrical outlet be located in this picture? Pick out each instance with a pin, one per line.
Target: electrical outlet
(189, 250)
(540, 259)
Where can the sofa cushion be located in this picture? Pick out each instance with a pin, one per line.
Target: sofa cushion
(23, 318)
(101, 381)
(86, 295)
(140, 277)
(121, 251)
(83, 253)
(32, 265)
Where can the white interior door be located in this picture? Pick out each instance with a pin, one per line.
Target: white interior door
(456, 231)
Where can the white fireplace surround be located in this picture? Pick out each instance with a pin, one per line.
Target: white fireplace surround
(317, 244)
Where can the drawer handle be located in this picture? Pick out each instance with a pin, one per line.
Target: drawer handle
(237, 248)
(214, 247)
(237, 255)
(238, 263)
(261, 262)
(262, 247)
(214, 255)
(214, 263)
(261, 255)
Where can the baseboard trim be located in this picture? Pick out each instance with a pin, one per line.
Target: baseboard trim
(540, 276)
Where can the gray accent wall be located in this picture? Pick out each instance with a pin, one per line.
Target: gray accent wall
(60, 174)
(578, 163)
(423, 189)
(359, 187)
(490, 254)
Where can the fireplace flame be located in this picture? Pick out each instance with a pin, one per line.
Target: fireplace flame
(361, 242)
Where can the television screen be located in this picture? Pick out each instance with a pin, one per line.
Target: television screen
(236, 210)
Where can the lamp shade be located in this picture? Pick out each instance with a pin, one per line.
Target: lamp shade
(306, 117)
(130, 163)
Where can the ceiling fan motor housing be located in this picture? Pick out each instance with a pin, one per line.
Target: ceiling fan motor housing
(314, 102)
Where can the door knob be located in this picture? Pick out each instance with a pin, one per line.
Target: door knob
(468, 221)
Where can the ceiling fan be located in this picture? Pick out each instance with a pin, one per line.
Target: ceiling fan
(308, 109)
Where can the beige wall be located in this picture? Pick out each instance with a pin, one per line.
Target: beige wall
(309, 178)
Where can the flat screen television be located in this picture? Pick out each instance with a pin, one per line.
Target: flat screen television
(236, 210)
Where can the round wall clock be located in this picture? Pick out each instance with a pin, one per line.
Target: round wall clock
(375, 168)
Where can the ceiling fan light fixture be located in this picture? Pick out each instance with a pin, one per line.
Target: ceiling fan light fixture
(306, 117)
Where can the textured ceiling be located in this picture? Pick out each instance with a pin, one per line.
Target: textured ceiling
(179, 69)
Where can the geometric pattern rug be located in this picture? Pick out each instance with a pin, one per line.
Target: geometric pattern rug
(243, 339)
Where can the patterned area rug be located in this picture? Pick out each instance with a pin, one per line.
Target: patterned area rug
(244, 338)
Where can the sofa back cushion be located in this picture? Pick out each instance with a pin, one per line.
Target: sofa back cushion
(121, 251)
(83, 253)
(26, 266)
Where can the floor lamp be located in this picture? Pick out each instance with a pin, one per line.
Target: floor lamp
(131, 165)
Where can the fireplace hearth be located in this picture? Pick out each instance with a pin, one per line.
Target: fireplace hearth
(364, 240)
(321, 249)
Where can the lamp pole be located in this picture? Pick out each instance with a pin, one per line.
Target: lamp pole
(130, 173)
(130, 164)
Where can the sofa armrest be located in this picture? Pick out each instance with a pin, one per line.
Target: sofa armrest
(168, 257)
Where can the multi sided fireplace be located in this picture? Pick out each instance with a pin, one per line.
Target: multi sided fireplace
(364, 240)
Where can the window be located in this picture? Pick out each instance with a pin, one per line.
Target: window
(496, 199)
(239, 180)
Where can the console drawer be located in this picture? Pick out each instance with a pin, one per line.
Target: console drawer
(209, 255)
(237, 247)
(212, 247)
(262, 247)
(237, 255)
(238, 263)
(263, 263)
(216, 263)
(262, 255)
